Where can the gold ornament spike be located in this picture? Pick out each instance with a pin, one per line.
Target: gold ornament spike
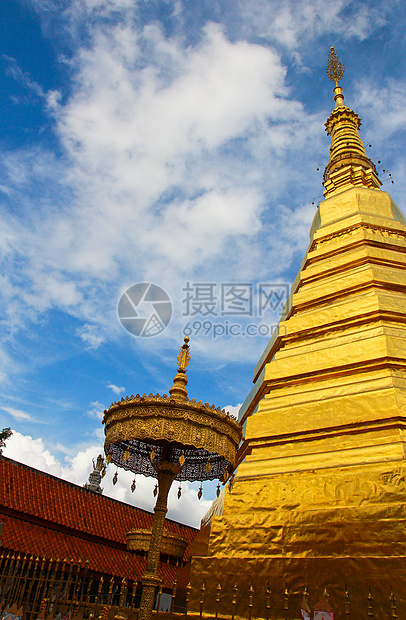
(268, 601)
(152, 455)
(370, 600)
(178, 389)
(208, 465)
(250, 601)
(188, 592)
(108, 458)
(234, 600)
(182, 459)
(218, 595)
(335, 68)
(347, 602)
(183, 357)
(202, 593)
(393, 604)
(126, 455)
(286, 599)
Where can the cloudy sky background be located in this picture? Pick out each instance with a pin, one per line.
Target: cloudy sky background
(164, 141)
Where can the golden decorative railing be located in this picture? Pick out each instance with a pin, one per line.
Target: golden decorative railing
(45, 588)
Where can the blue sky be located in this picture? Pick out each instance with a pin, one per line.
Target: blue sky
(172, 142)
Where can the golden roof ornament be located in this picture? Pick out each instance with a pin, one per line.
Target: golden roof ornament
(348, 164)
(178, 390)
(183, 356)
(335, 68)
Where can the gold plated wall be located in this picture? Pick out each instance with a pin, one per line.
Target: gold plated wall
(320, 496)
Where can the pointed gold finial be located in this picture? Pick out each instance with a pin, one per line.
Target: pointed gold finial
(335, 68)
(178, 390)
(348, 164)
(183, 357)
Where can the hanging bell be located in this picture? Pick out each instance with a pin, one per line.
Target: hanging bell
(200, 492)
(133, 486)
(179, 492)
(126, 455)
(152, 455)
(103, 471)
(155, 491)
(115, 478)
(218, 490)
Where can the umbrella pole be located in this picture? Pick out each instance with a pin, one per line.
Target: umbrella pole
(166, 475)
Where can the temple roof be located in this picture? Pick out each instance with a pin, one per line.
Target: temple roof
(47, 516)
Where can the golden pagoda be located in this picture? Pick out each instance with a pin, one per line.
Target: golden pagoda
(318, 499)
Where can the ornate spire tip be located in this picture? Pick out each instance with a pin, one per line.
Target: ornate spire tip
(335, 68)
(183, 357)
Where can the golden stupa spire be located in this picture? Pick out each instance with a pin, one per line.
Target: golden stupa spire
(178, 390)
(348, 163)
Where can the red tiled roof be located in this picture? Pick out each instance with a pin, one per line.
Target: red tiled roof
(36, 540)
(38, 494)
(46, 516)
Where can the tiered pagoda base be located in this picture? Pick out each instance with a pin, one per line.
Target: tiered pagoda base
(319, 500)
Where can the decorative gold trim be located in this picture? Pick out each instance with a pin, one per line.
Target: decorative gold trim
(139, 540)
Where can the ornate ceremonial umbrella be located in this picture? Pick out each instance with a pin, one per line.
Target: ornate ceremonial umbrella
(169, 438)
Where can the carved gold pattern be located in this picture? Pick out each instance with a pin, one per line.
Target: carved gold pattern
(139, 540)
(353, 230)
(192, 424)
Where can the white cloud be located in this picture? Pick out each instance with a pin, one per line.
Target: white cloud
(19, 414)
(116, 389)
(96, 410)
(233, 409)
(167, 151)
(383, 104)
(89, 335)
(32, 452)
(289, 21)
